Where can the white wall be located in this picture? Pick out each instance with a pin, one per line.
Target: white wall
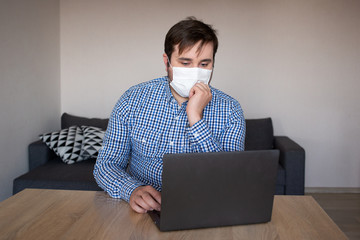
(29, 81)
(296, 61)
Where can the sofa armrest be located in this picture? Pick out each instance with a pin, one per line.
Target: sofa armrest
(292, 158)
(39, 154)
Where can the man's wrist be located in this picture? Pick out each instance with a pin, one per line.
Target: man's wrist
(129, 188)
(193, 118)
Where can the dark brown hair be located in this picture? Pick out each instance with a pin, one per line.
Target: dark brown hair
(187, 33)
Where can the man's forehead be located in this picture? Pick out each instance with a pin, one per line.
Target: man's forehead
(195, 50)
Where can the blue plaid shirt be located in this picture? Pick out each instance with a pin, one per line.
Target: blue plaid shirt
(147, 122)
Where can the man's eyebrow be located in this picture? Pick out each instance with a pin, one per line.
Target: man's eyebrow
(206, 60)
(190, 59)
(184, 59)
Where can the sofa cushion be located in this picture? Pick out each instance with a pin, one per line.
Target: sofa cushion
(259, 134)
(93, 138)
(68, 120)
(57, 175)
(66, 143)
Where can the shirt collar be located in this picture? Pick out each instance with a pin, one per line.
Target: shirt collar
(168, 93)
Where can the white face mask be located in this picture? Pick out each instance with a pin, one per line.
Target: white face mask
(185, 78)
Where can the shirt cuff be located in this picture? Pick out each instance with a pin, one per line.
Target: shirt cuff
(199, 132)
(128, 187)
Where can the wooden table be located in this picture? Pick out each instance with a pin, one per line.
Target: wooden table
(61, 214)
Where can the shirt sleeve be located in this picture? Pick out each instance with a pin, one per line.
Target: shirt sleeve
(232, 137)
(110, 168)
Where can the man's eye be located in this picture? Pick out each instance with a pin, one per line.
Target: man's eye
(185, 63)
(204, 64)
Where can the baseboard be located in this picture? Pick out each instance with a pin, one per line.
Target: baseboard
(331, 190)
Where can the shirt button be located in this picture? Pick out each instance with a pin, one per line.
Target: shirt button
(196, 134)
(177, 118)
(171, 143)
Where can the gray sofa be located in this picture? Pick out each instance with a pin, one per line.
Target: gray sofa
(47, 171)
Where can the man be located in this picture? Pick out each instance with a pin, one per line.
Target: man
(174, 114)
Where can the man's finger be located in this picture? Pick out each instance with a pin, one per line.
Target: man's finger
(145, 198)
(156, 195)
(202, 85)
(143, 203)
(192, 92)
(153, 204)
(195, 88)
(137, 208)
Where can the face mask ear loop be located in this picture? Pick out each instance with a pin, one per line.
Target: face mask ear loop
(169, 66)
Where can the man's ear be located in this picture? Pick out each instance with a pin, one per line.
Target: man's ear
(166, 61)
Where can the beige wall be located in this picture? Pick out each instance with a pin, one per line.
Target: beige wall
(295, 61)
(29, 81)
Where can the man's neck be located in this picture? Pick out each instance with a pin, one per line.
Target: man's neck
(180, 100)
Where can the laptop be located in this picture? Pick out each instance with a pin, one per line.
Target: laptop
(202, 190)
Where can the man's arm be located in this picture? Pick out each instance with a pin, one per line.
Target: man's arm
(110, 168)
(199, 96)
(202, 140)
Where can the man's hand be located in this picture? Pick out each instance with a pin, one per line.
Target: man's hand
(199, 97)
(145, 198)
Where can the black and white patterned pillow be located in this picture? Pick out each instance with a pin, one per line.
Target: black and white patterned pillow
(66, 143)
(93, 138)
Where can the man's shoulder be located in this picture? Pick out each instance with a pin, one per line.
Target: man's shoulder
(226, 104)
(145, 86)
(221, 97)
(142, 92)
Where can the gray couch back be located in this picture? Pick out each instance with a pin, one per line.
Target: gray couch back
(259, 132)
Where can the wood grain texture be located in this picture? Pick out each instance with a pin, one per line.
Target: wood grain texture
(61, 214)
(344, 210)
